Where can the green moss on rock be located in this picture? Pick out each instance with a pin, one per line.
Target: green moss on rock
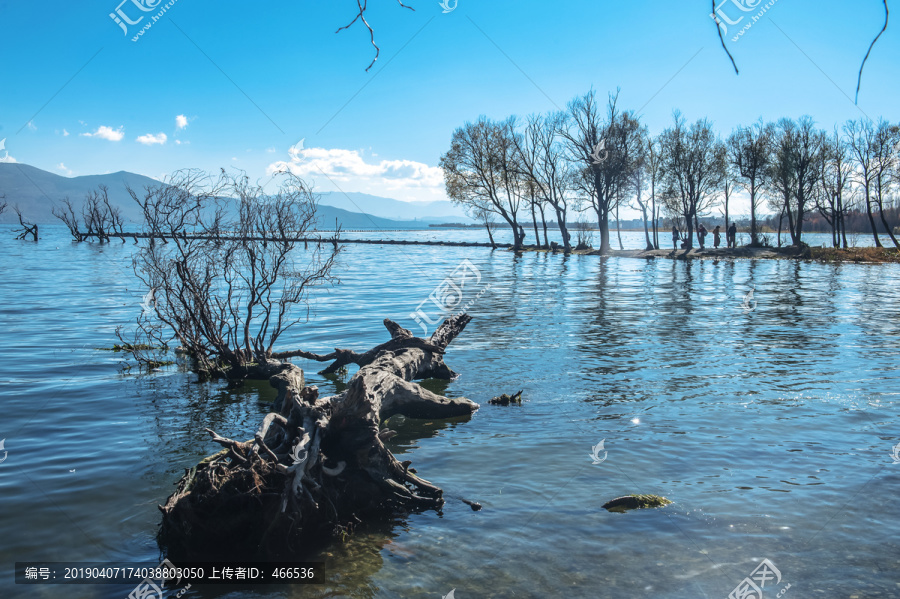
(635, 502)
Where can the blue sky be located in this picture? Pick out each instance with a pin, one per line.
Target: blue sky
(252, 80)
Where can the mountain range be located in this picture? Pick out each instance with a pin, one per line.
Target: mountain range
(36, 192)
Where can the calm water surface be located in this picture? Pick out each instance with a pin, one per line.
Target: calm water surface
(770, 427)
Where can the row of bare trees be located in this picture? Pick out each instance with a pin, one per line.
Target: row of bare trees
(555, 163)
(598, 159)
(99, 217)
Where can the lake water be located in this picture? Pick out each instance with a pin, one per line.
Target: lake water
(768, 421)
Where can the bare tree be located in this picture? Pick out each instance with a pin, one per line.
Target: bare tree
(28, 228)
(101, 218)
(694, 166)
(229, 283)
(728, 186)
(796, 170)
(584, 237)
(835, 201)
(480, 171)
(749, 154)
(543, 163)
(66, 213)
(3, 204)
(884, 163)
(861, 137)
(486, 217)
(642, 205)
(653, 167)
(604, 147)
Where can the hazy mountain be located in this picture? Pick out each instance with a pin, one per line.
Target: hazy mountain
(427, 212)
(36, 191)
(350, 221)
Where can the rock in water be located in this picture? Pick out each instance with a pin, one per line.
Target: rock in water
(505, 400)
(635, 502)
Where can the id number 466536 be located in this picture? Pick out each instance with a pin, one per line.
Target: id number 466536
(293, 573)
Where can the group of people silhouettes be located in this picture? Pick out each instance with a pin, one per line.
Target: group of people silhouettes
(730, 237)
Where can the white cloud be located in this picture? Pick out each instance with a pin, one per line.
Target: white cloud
(402, 179)
(181, 121)
(65, 133)
(31, 125)
(62, 167)
(271, 150)
(108, 133)
(178, 142)
(150, 139)
(6, 156)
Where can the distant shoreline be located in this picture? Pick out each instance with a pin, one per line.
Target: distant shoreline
(859, 255)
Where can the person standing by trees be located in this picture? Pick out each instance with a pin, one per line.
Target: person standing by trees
(701, 236)
(675, 236)
(749, 155)
(694, 166)
(732, 235)
(717, 236)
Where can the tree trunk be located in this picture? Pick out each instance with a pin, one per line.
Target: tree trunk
(726, 209)
(754, 232)
(689, 233)
(790, 215)
(619, 227)
(564, 230)
(315, 466)
(491, 236)
(780, 223)
(646, 225)
(603, 224)
(544, 225)
(872, 219)
(887, 227)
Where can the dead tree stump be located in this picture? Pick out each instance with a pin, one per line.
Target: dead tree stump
(316, 465)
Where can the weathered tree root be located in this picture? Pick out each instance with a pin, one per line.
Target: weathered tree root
(315, 466)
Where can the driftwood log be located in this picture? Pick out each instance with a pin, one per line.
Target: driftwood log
(316, 466)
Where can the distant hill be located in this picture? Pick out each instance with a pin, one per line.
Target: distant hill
(355, 220)
(36, 191)
(426, 212)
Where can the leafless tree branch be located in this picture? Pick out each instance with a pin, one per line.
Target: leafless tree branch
(722, 39)
(362, 5)
(887, 15)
